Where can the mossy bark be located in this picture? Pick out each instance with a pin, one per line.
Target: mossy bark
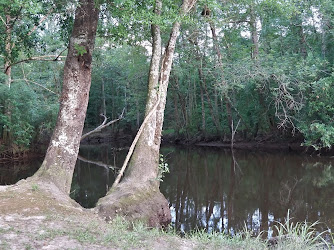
(138, 196)
(60, 159)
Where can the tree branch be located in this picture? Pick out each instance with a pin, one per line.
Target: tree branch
(134, 143)
(98, 163)
(3, 21)
(40, 22)
(103, 125)
(39, 58)
(36, 83)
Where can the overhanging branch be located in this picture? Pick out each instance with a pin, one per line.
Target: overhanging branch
(103, 125)
(98, 163)
(39, 58)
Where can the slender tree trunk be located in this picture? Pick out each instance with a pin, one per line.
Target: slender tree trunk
(176, 112)
(8, 49)
(203, 110)
(138, 195)
(104, 107)
(6, 134)
(203, 85)
(61, 156)
(254, 34)
(224, 84)
(299, 31)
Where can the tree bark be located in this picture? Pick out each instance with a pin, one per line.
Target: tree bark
(6, 134)
(138, 195)
(224, 83)
(254, 34)
(61, 156)
(8, 49)
(215, 119)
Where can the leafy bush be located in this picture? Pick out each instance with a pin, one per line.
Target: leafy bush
(317, 125)
(24, 113)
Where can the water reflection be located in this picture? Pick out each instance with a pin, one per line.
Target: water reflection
(11, 172)
(215, 190)
(94, 173)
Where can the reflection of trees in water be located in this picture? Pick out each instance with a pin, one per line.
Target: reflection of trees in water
(93, 175)
(12, 172)
(208, 190)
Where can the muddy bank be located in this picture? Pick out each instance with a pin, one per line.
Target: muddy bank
(254, 145)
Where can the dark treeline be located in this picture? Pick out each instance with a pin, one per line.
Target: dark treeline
(253, 69)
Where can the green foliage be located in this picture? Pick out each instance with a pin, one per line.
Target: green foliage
(163, 168)
(34, 187)
(318, 123)
(284, 90)
(81, 50)
(28, 114)
(299, 235)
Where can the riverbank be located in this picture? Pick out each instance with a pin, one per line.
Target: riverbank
(267, 143)
(33, 216)
(38, 216)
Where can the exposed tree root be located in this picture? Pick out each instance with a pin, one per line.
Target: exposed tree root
(142, 203)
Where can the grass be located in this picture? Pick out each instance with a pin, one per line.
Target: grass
(121, 234)
(34, 187)
(300, 235)
(126, 235)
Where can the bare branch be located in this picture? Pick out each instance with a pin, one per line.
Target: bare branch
(3, 21)
(134, 143)
(234, 130)
(36, 83)
(59, 56)
(103, 125)
(40, 22)
(39, 58)
(98, 163)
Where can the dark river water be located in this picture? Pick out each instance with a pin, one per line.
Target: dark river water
(213, 189)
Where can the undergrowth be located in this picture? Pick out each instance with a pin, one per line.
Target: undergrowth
(289, 236)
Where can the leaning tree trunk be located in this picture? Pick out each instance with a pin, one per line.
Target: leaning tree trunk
(138, 195)
(60, 159)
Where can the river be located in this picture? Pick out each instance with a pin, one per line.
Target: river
(215, 189)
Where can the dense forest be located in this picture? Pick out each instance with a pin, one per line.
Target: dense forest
(183, 71)
(244, 69)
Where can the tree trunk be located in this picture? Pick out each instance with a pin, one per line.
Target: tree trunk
(138, 195)
(61, 156)
(224, 84)
(254, 34)
(203, 111)
(104, 106)
(215, 119)
(6, 134)
(8, 49)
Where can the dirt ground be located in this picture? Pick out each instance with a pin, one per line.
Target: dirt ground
(38, 216)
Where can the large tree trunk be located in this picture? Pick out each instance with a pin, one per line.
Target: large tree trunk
(138, 195)
(61, 156)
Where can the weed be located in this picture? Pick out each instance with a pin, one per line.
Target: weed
(163, 168)
(84, 235)
(34, 187)
(300, 235)
(28, 247)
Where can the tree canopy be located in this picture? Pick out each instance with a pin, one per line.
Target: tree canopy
(257, 68)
